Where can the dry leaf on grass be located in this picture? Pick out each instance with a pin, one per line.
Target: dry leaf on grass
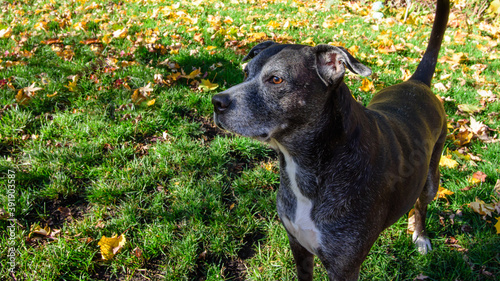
(111, 246)
(447, 162)
(480, 207)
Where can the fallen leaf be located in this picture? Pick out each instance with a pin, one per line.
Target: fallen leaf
(470, 108)
(5, 33)
(30, 90)
(447, 162)
(452, 242)
(463, 137)
(137, 252)
(494, 7)
(309, 41)
(497, 225)
(111, 246)
(120, 33)
(141, 94)
(71, 86)
(206, 85)
(482, 208)
(477, 177)
(151, 102)
(442, 193)
(366, 85)
(38, 230)
(24, 95)
(193, 74)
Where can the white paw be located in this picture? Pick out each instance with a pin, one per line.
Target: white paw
(423, 244)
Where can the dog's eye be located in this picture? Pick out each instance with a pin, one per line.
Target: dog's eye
(277, 80)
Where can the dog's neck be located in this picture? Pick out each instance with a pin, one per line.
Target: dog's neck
(330, 151)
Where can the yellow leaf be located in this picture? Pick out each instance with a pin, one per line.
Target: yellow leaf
(447, 162)
(406, 74)
(367, 85)
(111, 246)
(21, 98)
(106, 39)
(228, 20)
(36, 229)
(309, 41)
(151, 102)
(494, 7)
(470, 108)
(193, 74)
(52, 95)
(136, 97)
(462, 156)
(258, 36)
(120, 33)
(497, 225)
(353, 49)
(174, 76)
(443, 192)
(71, 86)
(5, 33)
(210, 48)
(206, 85)
(80, 26)
(268, 166)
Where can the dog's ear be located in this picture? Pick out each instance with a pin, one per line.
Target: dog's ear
(330, 61)
(258, 48)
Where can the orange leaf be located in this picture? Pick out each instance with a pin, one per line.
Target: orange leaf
(478, 177)
(367, 85)
(443, 192)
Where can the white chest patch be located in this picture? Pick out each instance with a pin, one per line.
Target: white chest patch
(302, 228)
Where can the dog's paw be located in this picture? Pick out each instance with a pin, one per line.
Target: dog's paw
(423, 244)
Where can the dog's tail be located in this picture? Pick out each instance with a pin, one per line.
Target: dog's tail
(427, 65)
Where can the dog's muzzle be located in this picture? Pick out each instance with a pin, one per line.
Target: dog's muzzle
(221, 103)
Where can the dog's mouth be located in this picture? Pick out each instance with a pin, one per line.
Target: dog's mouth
(260, 136)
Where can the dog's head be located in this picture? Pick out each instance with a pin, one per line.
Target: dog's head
(286, 86)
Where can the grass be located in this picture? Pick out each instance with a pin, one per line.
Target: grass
(196, 203)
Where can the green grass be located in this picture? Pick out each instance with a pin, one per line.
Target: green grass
(196, 203)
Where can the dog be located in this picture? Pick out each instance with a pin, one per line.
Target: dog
(347, 171)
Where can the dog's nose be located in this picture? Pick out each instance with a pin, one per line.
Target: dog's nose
(221, 102)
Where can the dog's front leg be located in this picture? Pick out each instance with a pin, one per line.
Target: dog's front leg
(303, 260)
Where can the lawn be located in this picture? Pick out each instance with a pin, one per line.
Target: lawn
(106, 129)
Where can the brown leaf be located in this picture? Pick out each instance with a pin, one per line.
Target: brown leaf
(480, 207)
(137, 252)
(479, 176)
